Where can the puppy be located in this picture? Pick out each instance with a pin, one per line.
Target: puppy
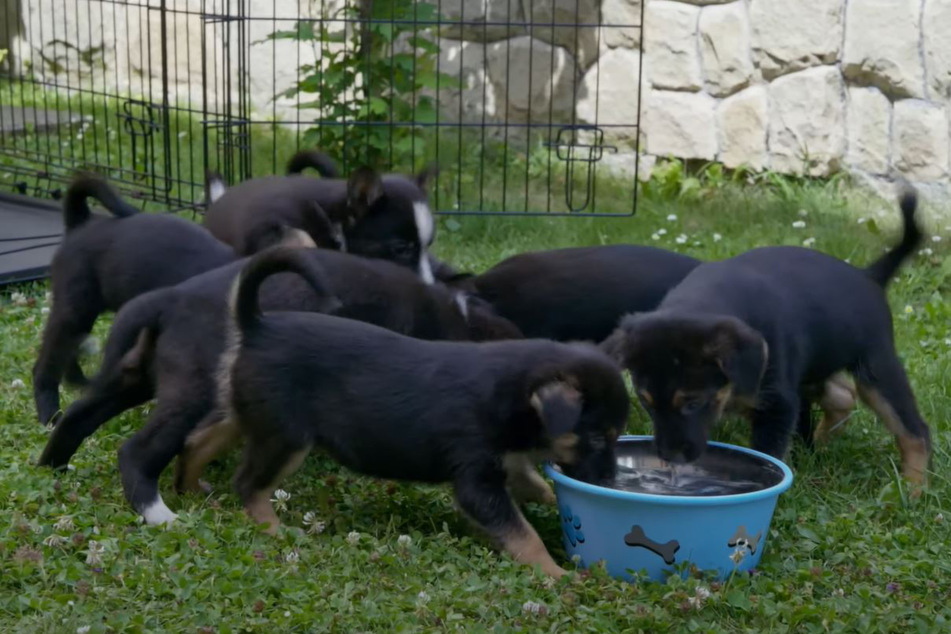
(386, 217)
(287, 216)
(103, 263)
(475, 415)
(167, 344)
(577, 294)
(762, 330)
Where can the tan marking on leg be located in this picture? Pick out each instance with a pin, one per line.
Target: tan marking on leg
(524, 481)
(526, 547)
(204, 445)
(294, 237)
(259, 507)
(837, 403)
(565, 448)
(915, 455)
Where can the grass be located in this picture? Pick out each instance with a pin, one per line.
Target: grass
(846, 553)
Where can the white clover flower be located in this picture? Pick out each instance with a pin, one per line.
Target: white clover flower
(292, 557)
(862, 220)
(576, 559)
(703, 593)
(839, 592)
(287, 613)
(353, 538)
(533, 607)
(939, 518)
(280, 499)
(17, 384)
(799, 224)
(738, 556)
(182, 134)
(662, 232)
(18, 298)
(925, 252)
(671, 217)
(47, 297)
(313, 525)
(655, 236)
(84, 629)
(908, 309)
(681, 239)
(54, 541)
(422, 598)
(65, 523)
(404, 541)
(802, 213)
(936, 238)
(94, 554)
(717, 237)
(45, 310)
(808, 242)
(947, 342)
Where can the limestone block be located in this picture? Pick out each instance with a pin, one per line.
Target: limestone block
(936, 31)
(742, 124)
(725, 48)
(681, 124)
(792, 35)
(671, 45)
(532, 79)
(475, 95)
(608, 95)
(481, 20)
(619, 18)
(570, 24)
(881, 46)
(920, 140)
(869, 123)
(807, 122)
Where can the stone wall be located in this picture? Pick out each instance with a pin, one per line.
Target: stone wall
(796, 86)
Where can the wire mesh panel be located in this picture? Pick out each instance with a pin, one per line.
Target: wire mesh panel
(527, 106)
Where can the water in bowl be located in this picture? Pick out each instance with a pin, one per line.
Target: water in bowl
(718, 472)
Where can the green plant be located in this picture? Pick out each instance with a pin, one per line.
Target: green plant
(3, 54)
(382, 73)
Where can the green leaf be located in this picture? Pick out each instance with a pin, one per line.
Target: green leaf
(738, 599)
(303, 32)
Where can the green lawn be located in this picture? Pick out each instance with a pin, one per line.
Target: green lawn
(846, 551)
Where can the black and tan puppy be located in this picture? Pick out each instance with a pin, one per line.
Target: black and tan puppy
(283, 216)
(479, 416)
(103, 263)
(368, 214)
(762, 330)
(166, 344)
(577, 294)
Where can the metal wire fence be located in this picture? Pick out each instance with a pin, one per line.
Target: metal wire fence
(527, 106)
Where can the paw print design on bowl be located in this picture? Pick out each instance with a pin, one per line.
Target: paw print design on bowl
(572, 526)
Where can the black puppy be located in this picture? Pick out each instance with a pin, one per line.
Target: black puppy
(476, 415)
(762, 330)
(577, 294)
(284, 215)
(167, 344)
(386, 217)
(103, 263)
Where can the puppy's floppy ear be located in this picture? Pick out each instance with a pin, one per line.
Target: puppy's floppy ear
(741, 353)
(426, 177)
(364, 187)
(558, 405)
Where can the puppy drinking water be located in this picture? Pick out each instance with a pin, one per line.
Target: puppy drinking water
(763, 330)
(478, 416)
(103, 263)
(166, 344)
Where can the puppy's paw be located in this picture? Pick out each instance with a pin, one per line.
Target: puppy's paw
(158, 514)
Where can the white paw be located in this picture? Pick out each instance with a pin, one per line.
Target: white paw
(157, 513)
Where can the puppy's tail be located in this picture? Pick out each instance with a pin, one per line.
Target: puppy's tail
(76, 208)
(244, 294)
(315, 159)
(131, 341)
(883, 269)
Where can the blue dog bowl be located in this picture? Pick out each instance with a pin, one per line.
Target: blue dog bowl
(633, 532)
